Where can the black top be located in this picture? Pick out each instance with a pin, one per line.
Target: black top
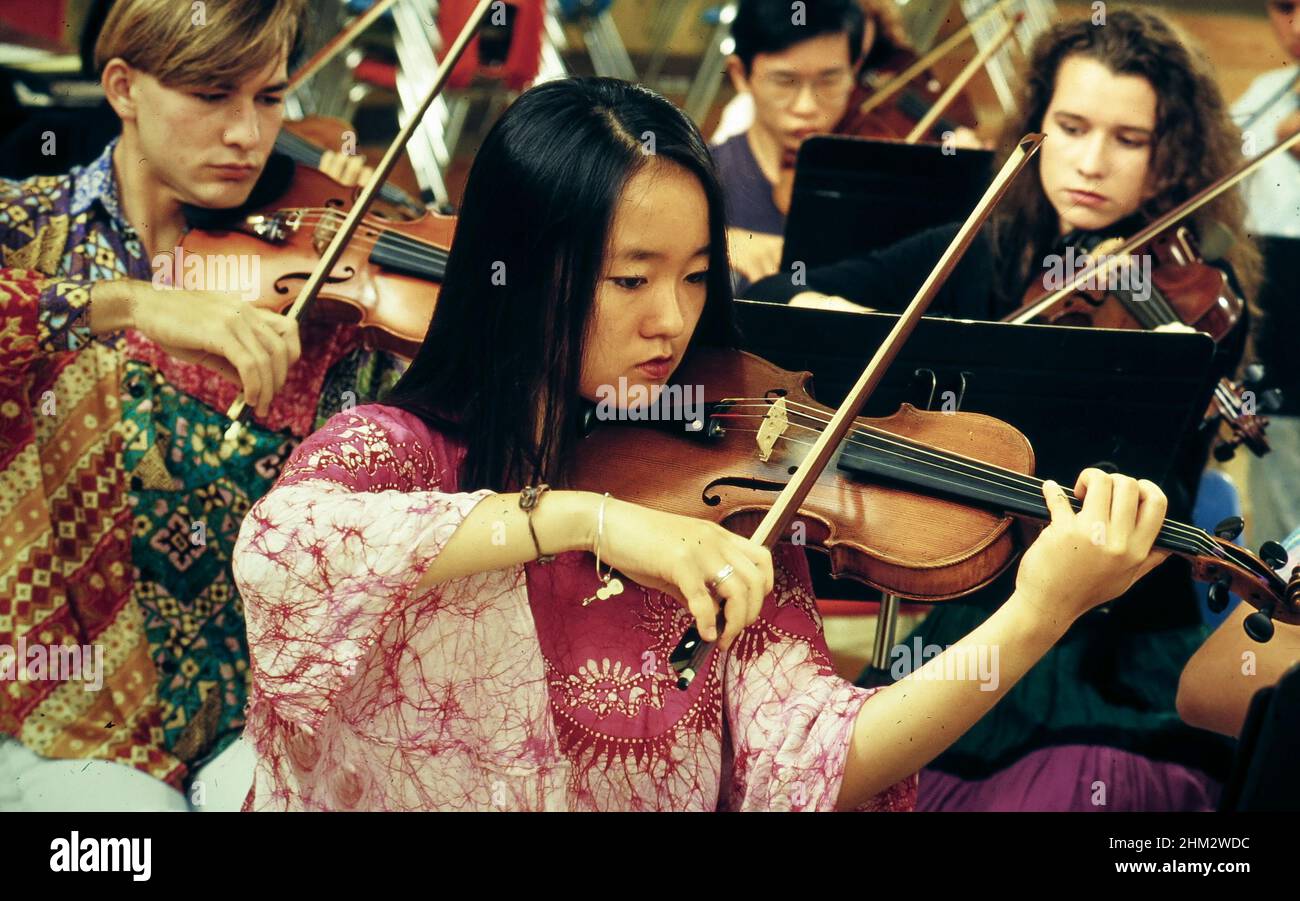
(888, 279)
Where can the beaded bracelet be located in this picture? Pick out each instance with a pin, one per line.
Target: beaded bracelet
(529, 496)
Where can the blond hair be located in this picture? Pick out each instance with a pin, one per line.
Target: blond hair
(207, 42)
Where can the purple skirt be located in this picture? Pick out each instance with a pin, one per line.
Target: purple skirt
(1074, 777)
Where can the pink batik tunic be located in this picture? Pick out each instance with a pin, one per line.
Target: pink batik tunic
(500, 690)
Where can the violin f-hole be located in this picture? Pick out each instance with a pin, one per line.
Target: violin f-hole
(711, 498)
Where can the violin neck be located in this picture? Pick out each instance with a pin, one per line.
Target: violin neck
(305, 153)
(411, 256)
(884, 456)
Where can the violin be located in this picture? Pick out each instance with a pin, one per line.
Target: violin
(386, 281)
(334, 240)
(914, 99)
(921, 504)
(1184, 292)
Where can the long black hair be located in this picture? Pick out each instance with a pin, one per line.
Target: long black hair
(509, 331)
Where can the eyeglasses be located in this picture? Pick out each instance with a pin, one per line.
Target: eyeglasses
(826, 89)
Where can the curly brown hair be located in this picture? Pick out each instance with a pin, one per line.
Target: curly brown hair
(1195, 140)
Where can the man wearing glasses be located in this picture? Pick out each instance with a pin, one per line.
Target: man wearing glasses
(796, 62)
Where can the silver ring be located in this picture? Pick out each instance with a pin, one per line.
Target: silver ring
(723, 575)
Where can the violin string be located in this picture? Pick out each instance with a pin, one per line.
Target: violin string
(316, 214)
(418, 250)
(311, 216)
(419, 247)
(1003, 478)
(1227, 399)
(1026, 484)
(1197, 538)
(1167, 530)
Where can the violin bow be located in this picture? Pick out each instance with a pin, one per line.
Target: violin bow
(692, 651)
(354, 216)
(963, 78)
(954, 40)
(1119, 256)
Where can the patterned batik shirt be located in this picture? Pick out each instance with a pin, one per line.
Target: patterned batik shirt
(501, 690)
(119, 500)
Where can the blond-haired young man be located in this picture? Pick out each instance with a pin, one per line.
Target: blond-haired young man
(120, 499)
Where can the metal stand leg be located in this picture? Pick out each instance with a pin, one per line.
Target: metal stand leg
(709, 77)
(609, 56)
(553, 43)
(668, 16)
(886, 625)
(1039, 14)
(326, 92)
(415, 38)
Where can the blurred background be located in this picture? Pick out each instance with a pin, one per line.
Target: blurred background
(678, 47)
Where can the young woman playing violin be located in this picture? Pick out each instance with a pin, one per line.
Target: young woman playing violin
(1135, 125)
(123, 502)
(431, 627)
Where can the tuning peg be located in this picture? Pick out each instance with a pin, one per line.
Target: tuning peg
(1253, 374)
(1228, 529)
(1273, 554)
(1270, 401)
(1225, 451)
(1259, 625)
(1220, 594)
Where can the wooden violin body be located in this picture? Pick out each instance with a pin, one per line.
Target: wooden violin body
(1184, 291)
(1198, 294)
(931, 549)
(386, 281)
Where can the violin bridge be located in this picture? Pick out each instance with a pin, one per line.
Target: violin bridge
(274, 228)
(775, 422)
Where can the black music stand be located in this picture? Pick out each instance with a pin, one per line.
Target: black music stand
(852, 195)
(1082, 396)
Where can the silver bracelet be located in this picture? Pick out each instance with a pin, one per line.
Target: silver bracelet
(609, 584)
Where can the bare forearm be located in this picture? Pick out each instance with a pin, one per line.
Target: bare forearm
(1218, 683)
(908, 724)
(495, 534)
